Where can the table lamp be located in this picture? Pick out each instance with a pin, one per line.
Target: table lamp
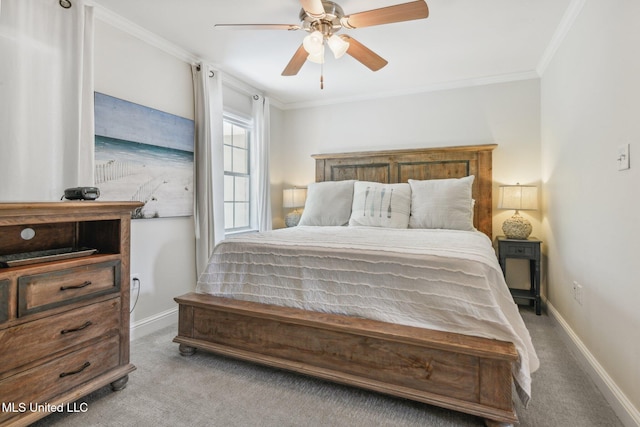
(520, 198)
(293, 198)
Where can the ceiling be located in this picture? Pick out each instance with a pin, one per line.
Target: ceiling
(461, 41)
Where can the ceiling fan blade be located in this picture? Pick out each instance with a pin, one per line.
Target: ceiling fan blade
(387, 15)
(366, 56)
(296, 62)
(289, 27)
(314, 8)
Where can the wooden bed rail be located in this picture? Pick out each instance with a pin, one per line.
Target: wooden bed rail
(459, 372)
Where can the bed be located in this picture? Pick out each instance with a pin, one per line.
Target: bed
(425, 316)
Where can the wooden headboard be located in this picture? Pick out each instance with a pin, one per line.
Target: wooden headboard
(394, 166)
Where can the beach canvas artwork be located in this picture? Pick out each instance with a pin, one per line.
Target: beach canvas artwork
(145, 155)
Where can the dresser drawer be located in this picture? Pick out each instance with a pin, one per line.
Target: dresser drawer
(44, 291)
(52, 334)
(4, 300)
(44, 382)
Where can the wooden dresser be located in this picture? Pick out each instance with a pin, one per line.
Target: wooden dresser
(64, 304)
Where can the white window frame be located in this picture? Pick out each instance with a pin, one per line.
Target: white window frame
(247, 124)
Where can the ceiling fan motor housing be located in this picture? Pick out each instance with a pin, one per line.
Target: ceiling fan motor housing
(328, 24)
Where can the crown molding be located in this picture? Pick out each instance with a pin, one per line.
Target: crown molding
(566, 23)
(456, 84)
(146, 36)
(166, 46)
(178, 52)
(235, 83)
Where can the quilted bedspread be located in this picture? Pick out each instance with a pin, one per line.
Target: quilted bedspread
(438, 279)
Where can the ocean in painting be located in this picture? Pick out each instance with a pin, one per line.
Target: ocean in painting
(143, 154)
(161, 178)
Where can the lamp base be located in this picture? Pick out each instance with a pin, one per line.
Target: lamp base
(517, 227)
(292, 219)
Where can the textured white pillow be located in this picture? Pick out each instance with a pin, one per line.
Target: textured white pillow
(381, 205)
(442, 203)
(328, 203)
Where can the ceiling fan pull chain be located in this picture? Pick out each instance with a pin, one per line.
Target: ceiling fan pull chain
(321, 76)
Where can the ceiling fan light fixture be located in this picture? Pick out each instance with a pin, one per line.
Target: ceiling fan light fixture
(314, 43)
(338, 46)
(318, 58)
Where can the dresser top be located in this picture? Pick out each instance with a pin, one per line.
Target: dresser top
(66, 208)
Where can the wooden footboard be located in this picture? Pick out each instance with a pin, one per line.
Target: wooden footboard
(459, 372)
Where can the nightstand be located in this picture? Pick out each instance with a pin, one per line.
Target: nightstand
(523, 249)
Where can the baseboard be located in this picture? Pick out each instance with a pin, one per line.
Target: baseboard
(621, 405)
(154, 323)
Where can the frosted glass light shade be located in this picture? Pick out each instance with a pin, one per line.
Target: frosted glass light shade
(314, 43)
(338, 46)
(318, 59)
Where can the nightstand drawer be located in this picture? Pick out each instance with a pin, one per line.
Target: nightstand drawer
(517, 250)
(44, 291)
(42, 383)
(53, 334)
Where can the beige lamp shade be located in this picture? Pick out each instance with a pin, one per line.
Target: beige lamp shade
(293, 198)
(520, 198)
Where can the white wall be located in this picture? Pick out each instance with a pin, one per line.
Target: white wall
(507, 114)
(162, 249)
(590, 95)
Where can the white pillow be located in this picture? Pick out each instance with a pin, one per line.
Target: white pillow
(381, 205)
(328, 203)
(442, 203)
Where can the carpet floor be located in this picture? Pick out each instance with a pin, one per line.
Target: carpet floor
(207, 390)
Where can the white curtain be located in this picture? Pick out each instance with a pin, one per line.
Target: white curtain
(209, 162)
(261, 134)
(46, 98)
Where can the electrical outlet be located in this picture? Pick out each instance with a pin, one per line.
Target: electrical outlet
(623, 157)
(135, 281)
(578, 292)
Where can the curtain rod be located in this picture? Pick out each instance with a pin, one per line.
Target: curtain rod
(211, 74)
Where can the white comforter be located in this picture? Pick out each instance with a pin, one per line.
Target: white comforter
(437, 279)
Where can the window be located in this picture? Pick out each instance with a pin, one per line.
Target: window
(237, 175)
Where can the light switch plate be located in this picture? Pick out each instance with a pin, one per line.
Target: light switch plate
(623, 157)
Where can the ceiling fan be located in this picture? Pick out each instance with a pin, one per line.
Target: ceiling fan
(322, 19)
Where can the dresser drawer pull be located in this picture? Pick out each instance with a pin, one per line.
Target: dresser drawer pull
(82, 368)
(520, 250)
(64, 288)
(79, 328)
